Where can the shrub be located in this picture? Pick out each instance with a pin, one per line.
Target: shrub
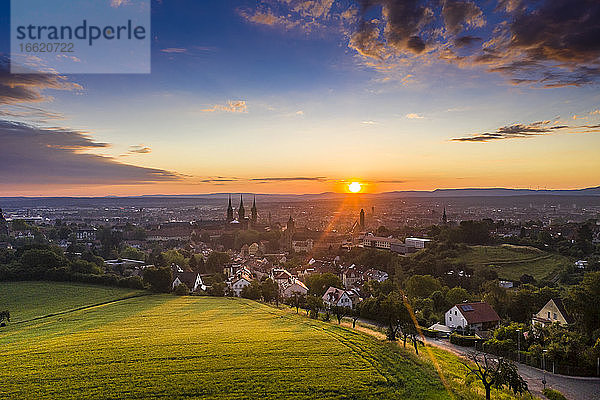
(181, 290)
(553, 394)
(460, 340)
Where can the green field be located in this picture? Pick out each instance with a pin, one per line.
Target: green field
(513, 261)
(28, 300)
(162, 346)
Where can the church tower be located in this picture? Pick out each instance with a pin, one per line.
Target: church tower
(229, 211)
(254, 211)
(444, 217)
(362, 220)
(241, 211)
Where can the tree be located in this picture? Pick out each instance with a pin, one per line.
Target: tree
(297, 300)
(457, 295)
(85, 267)
(355, 314)
(270, 290)
(314, 305)
(181, 290)
(340, 312)
(4, 315)
(215, 262)
(133, 254)
(393, 313)
(495, 373)
(319, 283)
(217, 289)
(38, 261)
(421, 286)
(253, 291)
(159, 279)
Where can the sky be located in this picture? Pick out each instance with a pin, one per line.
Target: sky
(305, 96)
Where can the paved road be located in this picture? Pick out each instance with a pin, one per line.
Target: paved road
(574, 388)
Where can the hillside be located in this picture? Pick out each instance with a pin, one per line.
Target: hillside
(162, 346)
(29, 300)
(513, 261)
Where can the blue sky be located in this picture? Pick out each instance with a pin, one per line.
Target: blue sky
(248, 95)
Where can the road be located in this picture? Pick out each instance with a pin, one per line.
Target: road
(574, 388)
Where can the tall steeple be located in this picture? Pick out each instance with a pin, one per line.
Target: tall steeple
(254, 211)
(229, 211)
(241, 211)
(444, 217)
(362, 219)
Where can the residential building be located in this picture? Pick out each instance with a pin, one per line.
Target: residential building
(478, 316)
(337, 297)
(553, 311)
(192, 280)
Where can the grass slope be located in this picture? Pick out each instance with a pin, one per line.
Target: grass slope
(163, 346)
(513, 261)
(28, 300)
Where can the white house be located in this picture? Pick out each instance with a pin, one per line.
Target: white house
(337, 297)
(297, 287)
(418, 243)
(192, 280)
(478, 316)
(581, 264)
(238, 285)
(299, 246)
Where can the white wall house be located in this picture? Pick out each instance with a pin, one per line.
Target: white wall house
(477, 316)
(337, 297)
(297, 287)
(238, 285)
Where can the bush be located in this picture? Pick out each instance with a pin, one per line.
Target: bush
(181, 290)
(460, 340)
(429, 333)
(553, 394)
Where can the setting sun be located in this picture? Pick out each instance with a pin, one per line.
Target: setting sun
(354, 187)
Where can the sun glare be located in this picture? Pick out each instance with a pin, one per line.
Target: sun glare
(354, 187)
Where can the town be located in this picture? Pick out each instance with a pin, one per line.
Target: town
(518, 288)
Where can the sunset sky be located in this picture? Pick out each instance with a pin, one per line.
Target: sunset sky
(296, 96)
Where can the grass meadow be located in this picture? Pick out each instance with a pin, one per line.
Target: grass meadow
(163, 346)
(513, 261)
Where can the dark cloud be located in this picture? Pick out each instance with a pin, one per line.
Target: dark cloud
(540, 128)
(545, 43)
(458, 14)
(464, 41)
(404, 21)
(18, 88)
(32, 155)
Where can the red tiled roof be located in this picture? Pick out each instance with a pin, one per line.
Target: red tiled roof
(479, 312)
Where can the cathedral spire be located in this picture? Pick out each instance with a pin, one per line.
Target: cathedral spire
(241, 210)
(229, 210)
(254, 211)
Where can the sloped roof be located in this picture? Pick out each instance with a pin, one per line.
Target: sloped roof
(189, 278)
(333, 294)
(563, 311)
(478, 312)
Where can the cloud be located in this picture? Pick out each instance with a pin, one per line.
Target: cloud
(289, 179)
(139, 149)
(176, 50)
(233, 106)
(27, 88)
(369, 122)
(540, 128)
(299, 112)
(32, 155)
(414, 116)
(458, 14)
(547, 43)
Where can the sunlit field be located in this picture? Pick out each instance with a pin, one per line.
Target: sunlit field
(162, 346)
